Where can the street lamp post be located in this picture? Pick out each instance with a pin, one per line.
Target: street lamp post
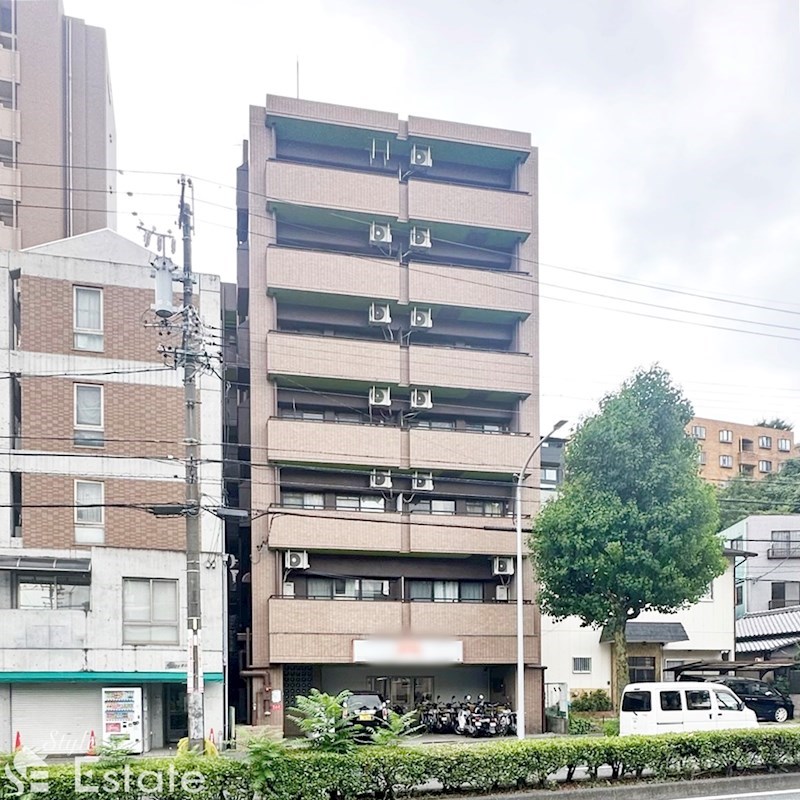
(520, 619)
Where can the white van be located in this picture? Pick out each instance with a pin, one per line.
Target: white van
(679, 707)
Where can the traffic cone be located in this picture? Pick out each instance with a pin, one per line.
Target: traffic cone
(18, 743)
(92, 751)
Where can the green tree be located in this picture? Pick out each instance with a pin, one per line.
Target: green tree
(777, 423)
(777, 493)
(634, 526)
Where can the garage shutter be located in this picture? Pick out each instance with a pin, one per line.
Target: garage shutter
(56, 718)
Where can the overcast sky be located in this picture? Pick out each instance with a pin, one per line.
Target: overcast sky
(669, 151)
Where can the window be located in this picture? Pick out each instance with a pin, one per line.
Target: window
(89, 415)
(427, 505)
(726, 436)
(445, 591)
(671, 701)
(702, 458)
(486, 508)
(321, 588)
(765, 466)
(785, 544)
(550, 474)
(698, 700)
(747, 445)
(149, 611)
(636, 701)
(784, 445)
(486, 427)
(765, 442)
(642, 669)
(302, 413)
(87, 319)
(303, 500)
(726, 461)
(348, 418)
(581, 664)
(65, 590)
(699, 431)
(739, 595)
(89, 512)
(434, 424)
(367, 502)
(745, 469)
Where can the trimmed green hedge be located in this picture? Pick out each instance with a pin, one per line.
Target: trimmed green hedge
(386, 772)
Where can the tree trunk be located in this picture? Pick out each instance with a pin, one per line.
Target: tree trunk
(620, 663)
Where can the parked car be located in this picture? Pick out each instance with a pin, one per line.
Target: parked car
(681, 706)
(365, 708)
(762, 697)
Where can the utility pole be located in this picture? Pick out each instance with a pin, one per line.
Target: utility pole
(190, 356)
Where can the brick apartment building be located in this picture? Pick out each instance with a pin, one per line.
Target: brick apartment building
(57, 136)
(92, 586)
(386, 391)
(728, 449)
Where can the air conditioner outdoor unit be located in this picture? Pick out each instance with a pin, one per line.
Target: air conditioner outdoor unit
(288, 589)
(421, 317)
(380, 479)
(421, 398)
(422, 482)
(502, 565)
(380, 314)
(421, 156)
(380, 233)
(419, 237)
(296, 559)
(501, 593)
(380, 396)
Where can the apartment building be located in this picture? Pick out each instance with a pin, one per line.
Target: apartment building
(551, 473)
(728, 449)
(387, 312)
(92, 583)
(57, 136)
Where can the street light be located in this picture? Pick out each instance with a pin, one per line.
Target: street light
(520, 627)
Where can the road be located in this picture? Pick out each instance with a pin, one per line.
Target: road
(780, 794)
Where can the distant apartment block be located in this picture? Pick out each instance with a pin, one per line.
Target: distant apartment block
(728, 449)
(57, 136)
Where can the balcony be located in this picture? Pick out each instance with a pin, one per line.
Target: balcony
(298, 529)
(9, 237)
(332, 273)
(784, 551)
(10, 183)
(43, 630)
(461, 368)
(322, 631)
(332, 357)
(462, 535)
(471, 288)
(330, 443)
(9, 124)
(465, 205)
(463, 450)
(321, 187)
(9, 64)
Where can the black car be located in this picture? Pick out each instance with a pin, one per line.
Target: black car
(762, 697)
(365, 708)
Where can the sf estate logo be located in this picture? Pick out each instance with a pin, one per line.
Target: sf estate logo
(27, 773)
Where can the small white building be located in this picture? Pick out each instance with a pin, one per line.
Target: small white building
(92, 585)
(581, 657)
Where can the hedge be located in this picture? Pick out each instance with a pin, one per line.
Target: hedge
(387, 772)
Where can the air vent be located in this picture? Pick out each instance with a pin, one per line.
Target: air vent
(421, 318)
(502, 565)
(421, 156)
(380, 396)
(380, 314)
(421, 398)
(380, 479)
(380, 233)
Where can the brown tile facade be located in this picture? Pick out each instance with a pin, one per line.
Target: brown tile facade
(124, 527)
(47, 320)
(138, 420)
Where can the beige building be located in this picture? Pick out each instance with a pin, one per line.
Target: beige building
(728, 449)
(387, 312)
(92, 584)
(57, 137)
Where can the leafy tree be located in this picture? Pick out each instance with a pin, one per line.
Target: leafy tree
(634, 526)
(777, 493)
(778, 424)
(393, 730)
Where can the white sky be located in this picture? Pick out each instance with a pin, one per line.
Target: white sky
(669, 136)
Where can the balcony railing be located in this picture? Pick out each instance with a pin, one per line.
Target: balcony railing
(783, 603)
(784, 551)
